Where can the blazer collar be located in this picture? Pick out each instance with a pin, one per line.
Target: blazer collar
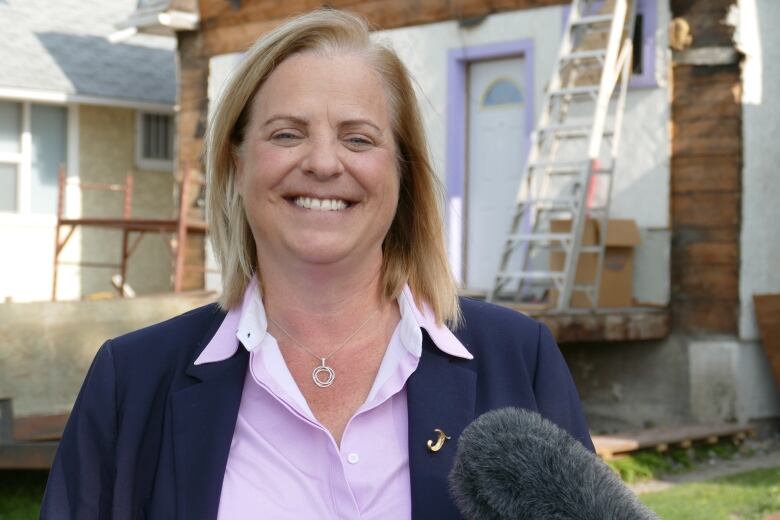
(204, 417)
(247, 323)
(441, 394)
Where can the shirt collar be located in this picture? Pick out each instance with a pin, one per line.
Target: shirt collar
(248, 324)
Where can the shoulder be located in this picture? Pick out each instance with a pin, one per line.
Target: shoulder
(495, 321)
(174, 341)
(182, 328)
(499, 336)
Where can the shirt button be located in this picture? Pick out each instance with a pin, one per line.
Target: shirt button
(353, 458)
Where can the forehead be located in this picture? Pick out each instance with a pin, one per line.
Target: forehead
(306, 83)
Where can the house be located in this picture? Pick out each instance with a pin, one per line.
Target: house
(71, 95)
(695, 173)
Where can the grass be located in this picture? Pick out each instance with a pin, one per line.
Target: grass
(21, 493)
(747, 496)
(649, 464)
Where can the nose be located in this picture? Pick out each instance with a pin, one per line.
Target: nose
(322, 160)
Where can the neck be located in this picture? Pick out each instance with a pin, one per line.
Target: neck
(322, 301)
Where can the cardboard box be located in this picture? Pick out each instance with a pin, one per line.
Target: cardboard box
(617, 274)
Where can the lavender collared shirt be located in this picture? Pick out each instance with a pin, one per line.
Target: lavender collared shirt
(283, 463)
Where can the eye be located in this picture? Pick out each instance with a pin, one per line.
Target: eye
(286, 136)
(358, 142)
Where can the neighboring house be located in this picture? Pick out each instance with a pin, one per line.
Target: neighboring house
(695, 172)
(71, 96)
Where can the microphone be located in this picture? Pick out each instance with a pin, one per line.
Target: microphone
(515, 464)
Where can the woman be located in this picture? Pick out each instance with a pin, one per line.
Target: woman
(339, 347)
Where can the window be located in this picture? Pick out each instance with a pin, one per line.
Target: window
(503, 91)
(643, 57)
(154, 141)
(33, 142)
(10, 154)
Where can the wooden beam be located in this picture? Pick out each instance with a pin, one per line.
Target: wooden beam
(768, 317)
(629, 324)
(28, 455)
(226, 29)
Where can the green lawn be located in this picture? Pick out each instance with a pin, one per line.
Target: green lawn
(20, 494)
(747, 496)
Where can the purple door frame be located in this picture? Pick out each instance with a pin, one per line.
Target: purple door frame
(457, 76)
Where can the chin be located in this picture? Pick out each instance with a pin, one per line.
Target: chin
(322, 253)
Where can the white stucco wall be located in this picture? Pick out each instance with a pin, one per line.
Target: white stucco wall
(759, 272)
(641, 187)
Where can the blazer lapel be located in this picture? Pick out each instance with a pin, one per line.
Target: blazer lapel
(440, 394)
(204, 417)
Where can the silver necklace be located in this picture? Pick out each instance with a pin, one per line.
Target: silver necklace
(323, 375)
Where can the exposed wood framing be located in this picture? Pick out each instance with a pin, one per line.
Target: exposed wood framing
(706, 173)
(630, 324)
(227, 29)
(191, 128)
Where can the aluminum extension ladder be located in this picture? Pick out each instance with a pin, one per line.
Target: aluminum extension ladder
(571, 161)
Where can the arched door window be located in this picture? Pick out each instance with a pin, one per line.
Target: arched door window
(502, 91)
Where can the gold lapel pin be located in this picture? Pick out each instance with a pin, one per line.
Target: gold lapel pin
(440, 439)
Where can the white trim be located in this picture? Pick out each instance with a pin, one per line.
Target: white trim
(175, 20)
(57, 97)
(73, 196)
(30, 219)
(11, 157)
(141, 162)
(122, 35)
(73, 141)
(24, 186)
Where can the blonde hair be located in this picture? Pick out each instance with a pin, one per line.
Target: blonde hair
(413, 251)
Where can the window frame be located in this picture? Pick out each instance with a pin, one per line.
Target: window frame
(23, 160)
(143, 163)
(649, 11)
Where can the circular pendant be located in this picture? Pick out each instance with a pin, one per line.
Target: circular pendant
(323, 375)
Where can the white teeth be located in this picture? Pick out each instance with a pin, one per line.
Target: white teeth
(320, 204)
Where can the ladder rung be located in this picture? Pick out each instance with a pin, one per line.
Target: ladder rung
(576, 91)
(558, 165)
(530, 275)
(559, 202)
(571, 130)
(540, 237)
(585, 55)
(593, 19)
(590, 249)
(583, 287)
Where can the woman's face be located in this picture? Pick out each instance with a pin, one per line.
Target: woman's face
(317, 171)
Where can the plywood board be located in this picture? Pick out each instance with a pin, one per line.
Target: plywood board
(768, 317)
(662, 438)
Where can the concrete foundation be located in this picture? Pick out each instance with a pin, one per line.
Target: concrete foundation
(681, 379)
(47, 347)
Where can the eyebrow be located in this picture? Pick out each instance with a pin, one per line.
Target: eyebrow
(285, 117)
(304, 122)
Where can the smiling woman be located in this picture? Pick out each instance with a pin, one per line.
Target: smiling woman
(318, 137)
(339, 347)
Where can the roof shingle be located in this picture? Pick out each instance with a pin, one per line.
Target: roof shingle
(62, 46)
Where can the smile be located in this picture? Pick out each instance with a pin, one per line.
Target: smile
(320, 204)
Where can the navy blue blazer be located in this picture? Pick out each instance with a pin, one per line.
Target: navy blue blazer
(150, 432)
